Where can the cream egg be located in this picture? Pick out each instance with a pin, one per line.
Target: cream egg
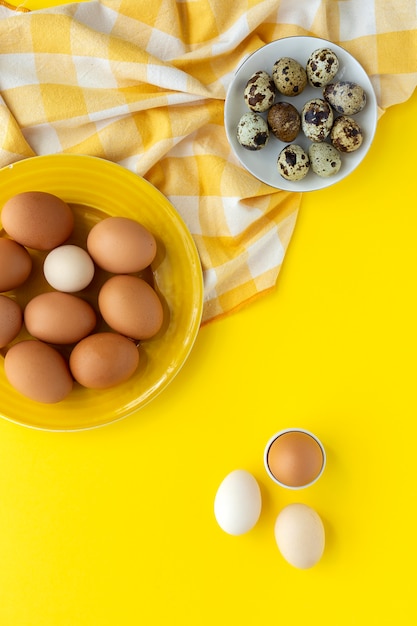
(300, 535)
(68, 268)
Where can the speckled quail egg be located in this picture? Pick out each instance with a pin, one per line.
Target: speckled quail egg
(259, 93)
(325, 160)
(316, 119)
(345, 97)
(289, 76)
(346, 134)
(284, 121)
(252, 131)
(322, 66)
(293, 162)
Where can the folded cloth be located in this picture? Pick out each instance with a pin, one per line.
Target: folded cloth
(143, 84)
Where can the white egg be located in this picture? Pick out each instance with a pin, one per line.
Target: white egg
(238, 502)
(300, 536)
(68, 268)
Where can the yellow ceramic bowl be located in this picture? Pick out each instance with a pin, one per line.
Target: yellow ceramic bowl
(95, 189)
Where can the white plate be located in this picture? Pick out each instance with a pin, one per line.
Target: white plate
(263, 163)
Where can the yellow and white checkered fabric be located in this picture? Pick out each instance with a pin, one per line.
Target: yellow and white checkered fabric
(143, 83)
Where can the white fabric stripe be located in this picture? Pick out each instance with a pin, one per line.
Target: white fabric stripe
(267, 252)
(17, 70)
(97, 17)
(300, 13)
(232, 37)
(94, 73)
(239, 216)
(43, 139)
(189, 208)
(357, 19)
(164, 46)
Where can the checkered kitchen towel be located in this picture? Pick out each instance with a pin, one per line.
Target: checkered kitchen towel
(143, 83)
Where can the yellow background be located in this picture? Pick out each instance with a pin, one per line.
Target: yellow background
(115, 526)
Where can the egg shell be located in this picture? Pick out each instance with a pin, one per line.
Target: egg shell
(345, 97)
(293, 162)
(38, 371)
(325, 160)
(68, 268)
(121, 245)
(259, 92)
(130, 306)
(11, 320)
(289, 76)
(294, 458)
(252, 131)
(284, 121)
(59, 318)
(238, 502)
(322, 66)
(37, 219)
(316, 119)
(346, 134)
(103, 360)
(15, 264)
(300, 535)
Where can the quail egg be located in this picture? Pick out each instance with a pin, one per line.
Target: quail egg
(259, 93)
(293, 162)
(284, 121)
(325, 160)
(316, 119)
(322, 66)
(346, 134)
(345, 97)
(252, 131)
(289, 76)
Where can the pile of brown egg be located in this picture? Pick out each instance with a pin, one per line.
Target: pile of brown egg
(73, 328)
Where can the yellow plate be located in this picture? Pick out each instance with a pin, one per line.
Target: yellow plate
(95, 189)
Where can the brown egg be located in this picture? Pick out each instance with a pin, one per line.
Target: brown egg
(15, 264)
(11, 320)
(284, 121)
(60, 318)
(37, 219)
(121, 245)
(103, 360)
(130, 306)
(38, 371)
(295, 458)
